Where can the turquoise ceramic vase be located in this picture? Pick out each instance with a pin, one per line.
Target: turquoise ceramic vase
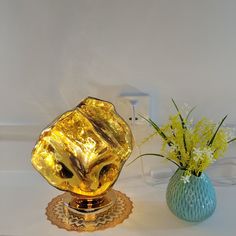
(194, 201)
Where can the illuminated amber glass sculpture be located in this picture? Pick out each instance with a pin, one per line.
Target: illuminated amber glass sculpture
(83, 151)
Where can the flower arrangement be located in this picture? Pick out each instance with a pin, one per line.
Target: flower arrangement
(191, 147)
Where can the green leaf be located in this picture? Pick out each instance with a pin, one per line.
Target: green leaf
(182, 123)
(176, 107)
(213, 137)
(157, 128)
(152, 154)
(189, 113)
(180, 116)
(230, 141)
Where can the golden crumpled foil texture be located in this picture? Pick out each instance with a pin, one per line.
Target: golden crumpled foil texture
(84, 150)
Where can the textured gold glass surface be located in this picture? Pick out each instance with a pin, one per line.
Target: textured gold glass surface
(84, 150)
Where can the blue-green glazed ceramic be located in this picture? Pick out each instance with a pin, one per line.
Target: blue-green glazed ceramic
(194, 201)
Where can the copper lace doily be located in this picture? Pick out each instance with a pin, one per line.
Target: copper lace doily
(74, 222)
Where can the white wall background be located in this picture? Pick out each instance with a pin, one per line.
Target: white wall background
(55, 52)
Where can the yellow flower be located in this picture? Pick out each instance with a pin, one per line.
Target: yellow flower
(192, 147)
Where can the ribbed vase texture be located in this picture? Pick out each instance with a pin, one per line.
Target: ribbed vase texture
(194, 201)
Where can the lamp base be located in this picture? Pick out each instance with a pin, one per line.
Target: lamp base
(73, 213)
(89, 207)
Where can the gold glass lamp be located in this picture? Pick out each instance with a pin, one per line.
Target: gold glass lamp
(82, 152)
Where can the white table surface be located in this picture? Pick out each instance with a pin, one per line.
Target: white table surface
(25, 194)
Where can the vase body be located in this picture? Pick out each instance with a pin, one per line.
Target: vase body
(194, 201)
